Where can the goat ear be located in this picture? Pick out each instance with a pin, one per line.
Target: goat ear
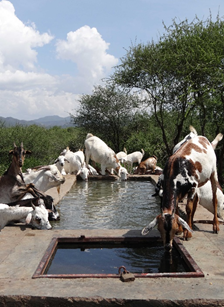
(184, 224)
(149, 227)
(28, 152)
(28, 218)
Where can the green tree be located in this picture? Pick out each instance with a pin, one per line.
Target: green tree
(107, 113)
(180, 73)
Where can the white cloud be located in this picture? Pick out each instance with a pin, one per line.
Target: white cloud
(18, 40)
(87, 49)
(19, 80)
(26, 92)
(33, 104)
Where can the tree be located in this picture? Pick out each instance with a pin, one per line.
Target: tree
(180, 73)
(107, 113)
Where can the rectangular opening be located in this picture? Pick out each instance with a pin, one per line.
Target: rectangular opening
(101, 257)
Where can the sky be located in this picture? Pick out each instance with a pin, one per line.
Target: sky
(54, 51)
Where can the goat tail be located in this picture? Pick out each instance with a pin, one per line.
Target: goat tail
(192, 129)
(142, 152)
(216, 140)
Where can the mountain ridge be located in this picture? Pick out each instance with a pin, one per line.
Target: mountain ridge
(46, 121)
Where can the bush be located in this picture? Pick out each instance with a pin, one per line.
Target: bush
(45, 144)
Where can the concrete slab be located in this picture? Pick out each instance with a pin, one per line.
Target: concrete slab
(22, 248)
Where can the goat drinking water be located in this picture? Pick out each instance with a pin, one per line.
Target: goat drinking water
(190, 167)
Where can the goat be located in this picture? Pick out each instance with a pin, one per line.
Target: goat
(148, 164)
(37, 197)
(190, 167)
(37, 217)
(75, 163)
(123, 173)
(44, 177)
(122, 155)
(191, 135)
(134, 157)
(60, 163)
(204, 193)
(98, 151)
(12, 179)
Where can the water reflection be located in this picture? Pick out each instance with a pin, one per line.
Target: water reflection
(107, 204)
(101, 259)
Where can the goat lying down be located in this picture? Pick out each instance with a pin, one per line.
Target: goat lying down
(44, 177)
(36, 216)
(29, 192)
(190, 167)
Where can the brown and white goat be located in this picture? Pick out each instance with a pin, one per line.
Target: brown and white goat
(12, 179)
(190, 167)
(148, 164)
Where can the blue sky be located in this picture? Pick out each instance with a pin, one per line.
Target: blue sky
(53, 51)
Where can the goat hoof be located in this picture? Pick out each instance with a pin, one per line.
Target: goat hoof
(215, 229)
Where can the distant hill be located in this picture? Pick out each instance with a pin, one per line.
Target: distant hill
(47, 121)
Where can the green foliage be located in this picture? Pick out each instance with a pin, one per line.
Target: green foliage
(180, 73)
(45, 144)
(107, 113)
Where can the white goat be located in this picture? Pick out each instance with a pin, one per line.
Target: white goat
(45, 200)
(37, 217)
(60, 163)
(134, 157)
(75, 163)
(122, 155)
(44, 177)
(123, 173)
(205, 199)
(98, 151)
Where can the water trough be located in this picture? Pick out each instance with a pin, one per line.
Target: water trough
(22, 249)
(185, 265)
(112, 204)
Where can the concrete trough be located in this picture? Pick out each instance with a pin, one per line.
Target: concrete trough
(192, 268)
(23, 248)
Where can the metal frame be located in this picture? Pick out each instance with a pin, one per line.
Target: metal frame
(195, 271)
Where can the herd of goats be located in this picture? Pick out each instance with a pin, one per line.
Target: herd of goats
(190, 172)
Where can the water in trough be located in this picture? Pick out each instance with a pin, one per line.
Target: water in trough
(104, 204)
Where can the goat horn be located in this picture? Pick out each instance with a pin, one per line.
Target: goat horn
(184, 224)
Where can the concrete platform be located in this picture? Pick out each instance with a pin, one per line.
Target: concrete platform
(23, 248)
